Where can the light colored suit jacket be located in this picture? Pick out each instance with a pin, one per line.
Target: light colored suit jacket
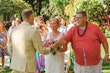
(23, 43)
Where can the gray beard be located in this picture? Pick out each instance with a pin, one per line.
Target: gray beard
(77, 23)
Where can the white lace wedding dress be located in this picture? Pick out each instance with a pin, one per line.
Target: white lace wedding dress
(54, 63)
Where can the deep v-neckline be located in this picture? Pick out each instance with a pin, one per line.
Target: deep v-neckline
(56, 38)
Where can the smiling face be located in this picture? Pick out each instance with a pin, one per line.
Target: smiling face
(18, 21)
(54, 24)
(40, 20)
(80, 19)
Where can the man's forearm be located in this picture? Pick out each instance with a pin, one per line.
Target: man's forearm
(105, 45)
(59, 43)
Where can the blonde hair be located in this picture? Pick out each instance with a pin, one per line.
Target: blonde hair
(56, 20)
(43, 26)
(3, 26)
(38, 17)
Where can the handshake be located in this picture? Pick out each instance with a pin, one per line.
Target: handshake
(49, 43)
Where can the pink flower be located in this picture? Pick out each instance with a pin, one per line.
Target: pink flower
(47, 43)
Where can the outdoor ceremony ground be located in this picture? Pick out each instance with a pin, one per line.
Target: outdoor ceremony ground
(105, 67)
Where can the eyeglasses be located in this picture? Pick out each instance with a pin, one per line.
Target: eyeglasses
(79, 17)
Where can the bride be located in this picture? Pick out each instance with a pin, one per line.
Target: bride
(54, 62)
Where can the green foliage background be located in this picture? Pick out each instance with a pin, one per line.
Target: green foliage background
(95, 9)
(8, 8)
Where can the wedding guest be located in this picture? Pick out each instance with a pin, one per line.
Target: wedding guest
(3, 43)
(63, 22)
(43, 32)
(72, 22)
(40, 59)
(48, 26)
(62, 27)
(39, 20)
(16, 22)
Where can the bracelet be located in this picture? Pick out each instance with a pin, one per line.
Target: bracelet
(107, 54)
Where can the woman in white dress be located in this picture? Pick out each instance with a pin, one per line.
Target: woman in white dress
(54, 62)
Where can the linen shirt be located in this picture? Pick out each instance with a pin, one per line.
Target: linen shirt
(87, 47)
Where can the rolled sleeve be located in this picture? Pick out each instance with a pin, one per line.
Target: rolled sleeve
(101, 35)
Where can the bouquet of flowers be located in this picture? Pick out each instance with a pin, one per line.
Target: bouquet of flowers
(47, 43)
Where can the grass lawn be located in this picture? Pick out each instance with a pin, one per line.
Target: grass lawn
(106, 67)
(8, 70)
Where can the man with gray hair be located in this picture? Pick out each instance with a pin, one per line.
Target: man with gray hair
(86, 39)
(24, 41)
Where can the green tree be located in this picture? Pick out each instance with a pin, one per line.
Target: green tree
(53, 8)
(70, 9)
(37, 5)
(9, 8)
(95, 9)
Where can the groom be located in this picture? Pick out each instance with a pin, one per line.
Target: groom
(24, 41)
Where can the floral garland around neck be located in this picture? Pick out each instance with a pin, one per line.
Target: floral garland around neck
(83, 31)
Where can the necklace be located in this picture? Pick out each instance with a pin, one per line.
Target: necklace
(83, 31)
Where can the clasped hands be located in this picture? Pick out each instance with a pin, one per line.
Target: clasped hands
(50, 44)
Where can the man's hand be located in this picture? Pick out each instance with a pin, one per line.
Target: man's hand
(51, 46)
(106, 58)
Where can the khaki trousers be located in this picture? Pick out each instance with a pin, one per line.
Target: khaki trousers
(88, 69)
